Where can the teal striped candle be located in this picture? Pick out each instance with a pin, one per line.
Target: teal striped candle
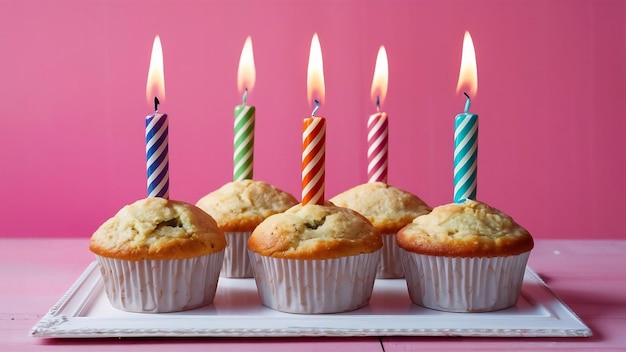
(243, 160)
(465, 154)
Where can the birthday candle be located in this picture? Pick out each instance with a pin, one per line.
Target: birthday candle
(313, 160)
(377, 150)
(243, 158)
(314, 132)
(466, 129)
(465, 154)
(378, 123)
(157, 159)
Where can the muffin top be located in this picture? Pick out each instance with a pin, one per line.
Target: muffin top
(239, 206)
(157, 228)
(388, 208)
(315, 232)
(468, 229)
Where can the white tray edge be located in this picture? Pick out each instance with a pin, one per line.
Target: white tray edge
(63, 320)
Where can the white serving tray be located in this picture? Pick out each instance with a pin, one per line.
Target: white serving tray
(84, 312)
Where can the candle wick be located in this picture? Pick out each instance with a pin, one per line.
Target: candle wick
(317, 106)
(467, 102)
(378, 103)
(156, 104)
(245, 95)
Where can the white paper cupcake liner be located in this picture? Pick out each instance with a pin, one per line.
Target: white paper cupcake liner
(236, 260)
(158, 286)
(464, 284)
(390, 266)
(315, 286)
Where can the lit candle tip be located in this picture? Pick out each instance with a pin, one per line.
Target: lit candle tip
(317, 106)
(246, 72)
(155, 85)
(315, 73)
(380, 81)
(467, 102)
(468, 74)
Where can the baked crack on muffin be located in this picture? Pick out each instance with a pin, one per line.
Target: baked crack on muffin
(159, 255)
(389, 209)
(464, 257)
(315, 259)
(238, 207)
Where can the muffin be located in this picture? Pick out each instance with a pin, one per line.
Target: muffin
(389, 209)
(238, 207)
(315, 259)
(465, 257)
(158, 255)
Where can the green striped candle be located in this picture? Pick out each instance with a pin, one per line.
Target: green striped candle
(243, 158)
(244, 141)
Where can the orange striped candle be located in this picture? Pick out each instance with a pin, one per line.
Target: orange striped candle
(313, 160)
(314, 131)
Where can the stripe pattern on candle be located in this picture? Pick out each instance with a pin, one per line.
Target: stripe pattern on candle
(157, 160)
(465, 156)
(243, 142)
(377, 146)
(313, 160)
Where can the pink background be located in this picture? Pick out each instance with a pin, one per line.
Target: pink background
(551, 100)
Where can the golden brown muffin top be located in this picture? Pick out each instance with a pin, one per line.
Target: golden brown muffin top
(239, 206)
(388, 208)
(468, 229)
(315, 232)
(157, 228)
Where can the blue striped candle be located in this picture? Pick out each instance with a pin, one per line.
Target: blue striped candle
(157, 159)
(465, 154)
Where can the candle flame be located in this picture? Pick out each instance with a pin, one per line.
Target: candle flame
(315, 73)
(468, 76)
(246, 74)
(381, 77)
(156, 79)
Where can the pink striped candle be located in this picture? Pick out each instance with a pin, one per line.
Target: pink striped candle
(378, 124)
(377, 147)
(314, 132)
